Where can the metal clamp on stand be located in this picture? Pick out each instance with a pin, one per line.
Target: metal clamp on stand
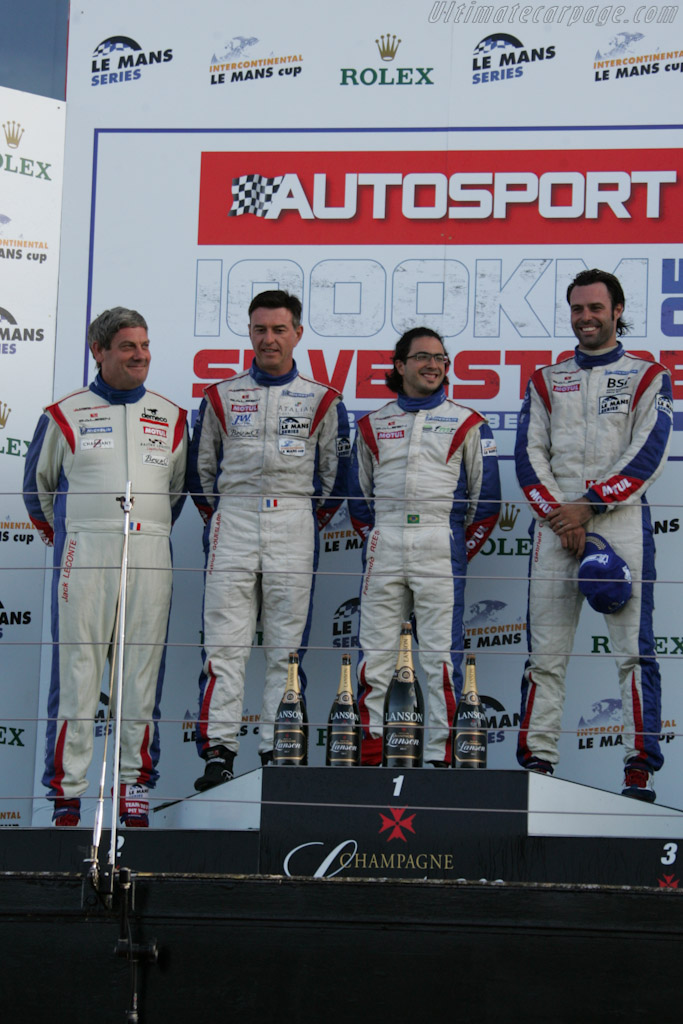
(135, 952)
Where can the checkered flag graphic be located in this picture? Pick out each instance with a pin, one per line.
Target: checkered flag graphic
(252, 193)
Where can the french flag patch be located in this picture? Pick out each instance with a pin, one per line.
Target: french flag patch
(135, 526)
(270, 502)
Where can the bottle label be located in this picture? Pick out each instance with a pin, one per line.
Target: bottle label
(343, 746)
(403, 741)
(474, 714)
(288, 743)
(343, 716)
(471, 746)
(404, 716)
(470, 749)
(290, 746)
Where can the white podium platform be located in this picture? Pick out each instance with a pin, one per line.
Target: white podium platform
(561, 808)
(234, 807)
(554, 807)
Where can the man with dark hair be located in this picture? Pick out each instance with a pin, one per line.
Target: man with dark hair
(268, 468)
(86, 447)
(593, 435)
(277, 299)
(425, 477)
(613, 286)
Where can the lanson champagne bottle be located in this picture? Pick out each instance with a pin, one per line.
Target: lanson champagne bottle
(403, 737)
(290, 740)
(343, 725)
(470, 735)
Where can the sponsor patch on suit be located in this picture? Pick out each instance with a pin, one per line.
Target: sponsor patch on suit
(614, 403)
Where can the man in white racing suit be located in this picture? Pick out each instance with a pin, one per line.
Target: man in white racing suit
(428, 471)
(593, 435)
(268, 469)
(85, 449)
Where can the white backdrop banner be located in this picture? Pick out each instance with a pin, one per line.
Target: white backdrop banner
(31, 157)
(394, 164)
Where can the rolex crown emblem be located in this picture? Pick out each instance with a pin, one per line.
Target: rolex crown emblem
(4, 414)
(388, 46)
(508, 516)
(13, 133)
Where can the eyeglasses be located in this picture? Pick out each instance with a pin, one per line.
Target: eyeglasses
(424, 357)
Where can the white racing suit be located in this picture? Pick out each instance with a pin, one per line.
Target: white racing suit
(85, 448)
(598, 427)
(429, 473)
(268, 467)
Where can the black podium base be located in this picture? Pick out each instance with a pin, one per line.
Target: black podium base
(501, 896)
(512, 826)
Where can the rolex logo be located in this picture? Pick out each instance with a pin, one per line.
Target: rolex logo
(388, 46)
(508, 516)
(13, 133)
(4, 414)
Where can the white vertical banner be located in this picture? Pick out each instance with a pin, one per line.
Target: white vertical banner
(31, 158)
(394, 164)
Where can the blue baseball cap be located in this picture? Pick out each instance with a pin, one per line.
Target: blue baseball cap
(604, 577)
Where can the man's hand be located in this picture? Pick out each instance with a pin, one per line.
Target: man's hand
(568, 522)
(570, 516)
(574, 541)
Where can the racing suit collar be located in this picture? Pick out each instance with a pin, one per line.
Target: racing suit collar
(114, 397)
(586, 361)
(269, 381)
(416, 404)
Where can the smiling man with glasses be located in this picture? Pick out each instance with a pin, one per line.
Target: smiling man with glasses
(426, 495)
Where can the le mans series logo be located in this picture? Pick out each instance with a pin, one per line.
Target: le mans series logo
(13, 617)
(630, 55)
(501, 57)
(119, 59)
(246, 59)
(12, 331)
(385, 68)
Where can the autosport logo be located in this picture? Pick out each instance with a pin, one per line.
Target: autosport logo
(432, 197)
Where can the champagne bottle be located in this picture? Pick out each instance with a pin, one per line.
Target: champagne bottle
(343, 724)
(290, 740)
(403, 737)
(470, 734)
